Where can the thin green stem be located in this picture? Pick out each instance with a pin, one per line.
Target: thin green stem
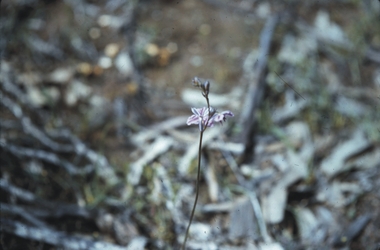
(197, 188)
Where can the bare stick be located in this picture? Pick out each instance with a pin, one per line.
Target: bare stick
(45, 156)
(52, 237)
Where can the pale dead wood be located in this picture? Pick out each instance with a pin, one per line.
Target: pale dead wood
(256, 74)
(45, 208)
(159, 147)
(53, 237)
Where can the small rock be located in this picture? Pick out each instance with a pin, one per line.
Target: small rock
(152, 49)
(111, 50)
(76, 91)
(124, 64)
(105, 222)
(110, 21)
(200, 231)
(105, 62)
(84, 68)
(61, 75)
(94, 33)
(35, 96)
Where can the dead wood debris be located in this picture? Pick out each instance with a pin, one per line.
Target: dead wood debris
(47, 148)
(298, 185)
(53, 237)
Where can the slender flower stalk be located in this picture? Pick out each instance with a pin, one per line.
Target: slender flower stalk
(197, 190)
(203, 117)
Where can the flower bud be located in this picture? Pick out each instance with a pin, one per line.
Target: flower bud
(206, 87)
(196, 82)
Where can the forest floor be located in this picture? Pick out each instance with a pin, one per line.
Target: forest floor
(96, 153)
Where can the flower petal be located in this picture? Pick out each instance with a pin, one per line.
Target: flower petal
(193, 120)
(201, 117)
(210, 122)
(204, 112)
(227, 112)
(195, 111)
(221, 117)
(218, 117)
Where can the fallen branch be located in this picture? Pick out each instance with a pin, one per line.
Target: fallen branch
(45, 156)
(56, 238)
(46, 208)
(255, 71)
(160, 146)
(29, 127)
(104, 169)
(20, 211)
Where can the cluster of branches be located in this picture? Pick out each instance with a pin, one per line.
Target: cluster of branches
(23, 140)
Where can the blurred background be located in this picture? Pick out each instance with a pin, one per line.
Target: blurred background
(96, 153)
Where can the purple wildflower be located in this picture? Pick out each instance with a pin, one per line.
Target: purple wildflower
(201, 116)
(221, 117)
